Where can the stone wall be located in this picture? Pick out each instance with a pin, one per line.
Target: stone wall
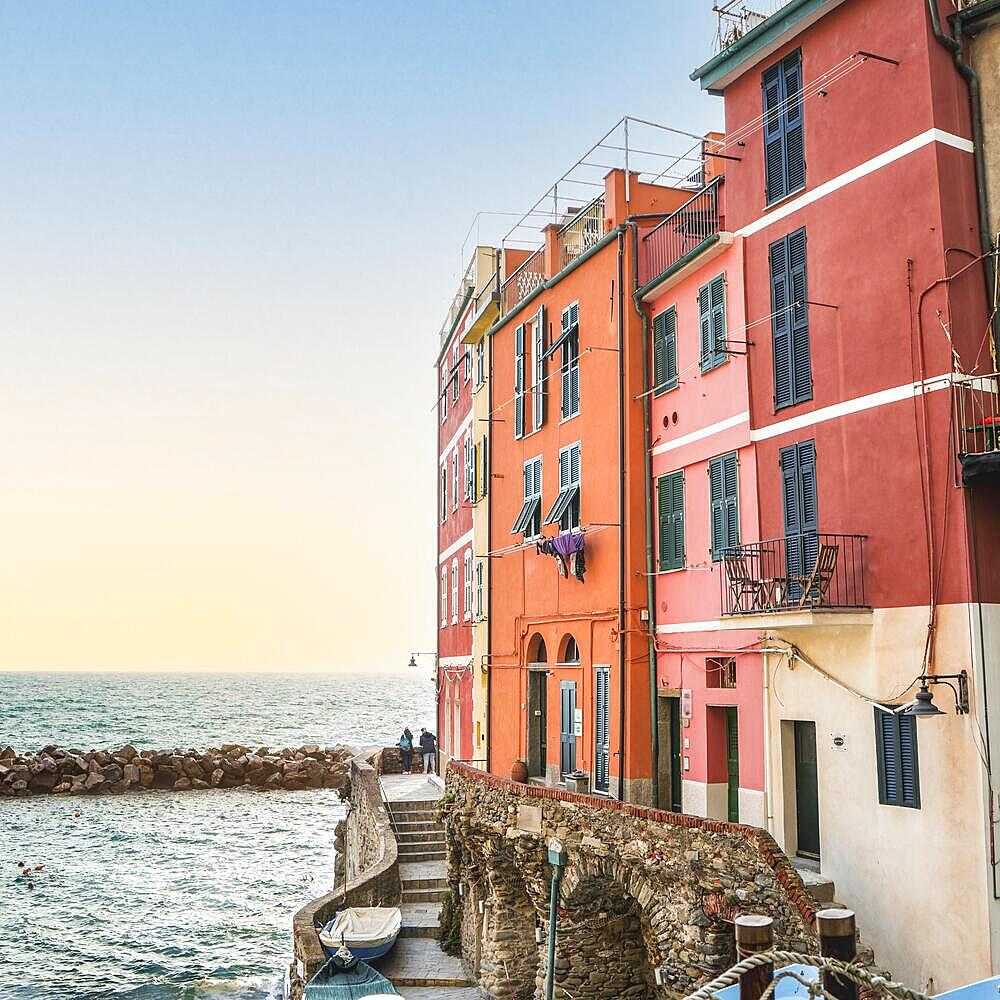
(643, 889)
(371, 865)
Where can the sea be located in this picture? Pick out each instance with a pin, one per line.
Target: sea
(175, 895)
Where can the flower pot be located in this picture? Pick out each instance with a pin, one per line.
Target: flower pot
(519, 771)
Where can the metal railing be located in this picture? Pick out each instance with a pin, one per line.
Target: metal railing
(489, 290)
(797, 572)
(682, 232)
(583, 231)
(737, 17)
(523, 281)
(977, 413)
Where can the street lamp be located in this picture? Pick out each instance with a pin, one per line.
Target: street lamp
(923, 706)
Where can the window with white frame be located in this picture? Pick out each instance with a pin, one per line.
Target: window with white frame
(454, 591)
(529, 520)
(444, 391)
(467, 467)
(454, 374)
(480, 362)
(444, 491)
(444, 596)
(467, 585)
(570, 341)
(454, 480)
(467, 370)
(566, 509)
(480, 596)
(539, 382)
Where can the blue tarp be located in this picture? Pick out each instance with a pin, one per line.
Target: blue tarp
(364, 981)
(985, 989)
(786, 987)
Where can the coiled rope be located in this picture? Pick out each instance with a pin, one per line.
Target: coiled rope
(846, 970)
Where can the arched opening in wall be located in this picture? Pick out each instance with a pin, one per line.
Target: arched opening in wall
(537, 701)
(569, 651)
(510, 963)
(569, 726)
(605, 946)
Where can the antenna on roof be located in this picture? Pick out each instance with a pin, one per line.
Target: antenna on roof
(737, 17)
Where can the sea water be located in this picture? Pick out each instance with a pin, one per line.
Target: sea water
(163, 895)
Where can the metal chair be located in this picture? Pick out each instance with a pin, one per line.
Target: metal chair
(743, 582)
(816, 585)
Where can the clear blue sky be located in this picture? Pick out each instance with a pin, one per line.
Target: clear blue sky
(232, 231)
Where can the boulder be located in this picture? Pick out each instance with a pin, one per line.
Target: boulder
(62, 788)
(130, 772)
(128, 753)
(192, 768)
(8, 753)
(94, 782)
(44, 781)
(274, 781)
(182, 784)
(112, 773)
(72, 764)
(198, 783)
(118, 786)
(146, 776)
(218, 776)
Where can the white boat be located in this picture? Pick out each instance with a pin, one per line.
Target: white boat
(367, 931)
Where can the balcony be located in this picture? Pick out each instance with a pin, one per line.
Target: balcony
(584, 231)
(684, 235)
(795, 577)
(977, 421)
(523, 281)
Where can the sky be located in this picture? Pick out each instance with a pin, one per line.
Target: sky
(231, 232)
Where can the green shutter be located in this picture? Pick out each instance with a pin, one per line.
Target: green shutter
(712, 323)
(705, 326)
(716, 503)
(665, 351)
(730, 489)
(670, 499)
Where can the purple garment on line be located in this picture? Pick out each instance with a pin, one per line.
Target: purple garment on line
(566, 545)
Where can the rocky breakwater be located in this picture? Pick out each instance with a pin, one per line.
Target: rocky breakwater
(58, 771)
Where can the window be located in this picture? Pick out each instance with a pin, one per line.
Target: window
(725, 517)
(784, 149)
(519, 382)
(454, 480)
(480, 362)
(444, 391)
(539, 387)
(570, 340)
(801, 511)
(529, 520)
(454, 373)
(720, 672)
(480, 603)
(665, 351)
(467, 585)
(712, 320)
(570, 650)
(444, 596)
(566, 509)
(454, 591)
(484, 466)
(790, 320)
(896, 754)
(468, 466)
(444, 491)
(467, 370)
(670, 508)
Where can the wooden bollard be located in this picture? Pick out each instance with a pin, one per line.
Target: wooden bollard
(754, 934)
(838, 939)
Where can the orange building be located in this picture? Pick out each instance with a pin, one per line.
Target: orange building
(570, 653)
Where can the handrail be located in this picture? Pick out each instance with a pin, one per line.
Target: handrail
(677, 211)
(580, 215)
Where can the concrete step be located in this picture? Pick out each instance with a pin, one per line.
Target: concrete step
(421, 857)
(403, 806)
(821, 888)
(420, 836)
(419, 962)
(420, 920)
(424, 895)
(418, 827)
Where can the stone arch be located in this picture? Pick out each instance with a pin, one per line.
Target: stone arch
(569, 649)
(611, 933)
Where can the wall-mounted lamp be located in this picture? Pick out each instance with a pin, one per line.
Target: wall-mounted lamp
(923, 706)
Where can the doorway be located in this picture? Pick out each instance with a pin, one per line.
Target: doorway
(668, 724)
(806, 791)
(537, 722)
(602, 738)
(732, 765)
(567, 727)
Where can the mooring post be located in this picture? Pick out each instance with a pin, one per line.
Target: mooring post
(838, 939)
(754, 933)
(557, 858)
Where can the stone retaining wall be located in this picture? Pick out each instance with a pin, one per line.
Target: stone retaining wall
(643, 889)
(55, 770)
(371, 864)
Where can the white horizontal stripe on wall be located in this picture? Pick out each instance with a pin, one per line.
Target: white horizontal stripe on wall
(718, 428)
(453, 443)
(466, 539)
(455, 661)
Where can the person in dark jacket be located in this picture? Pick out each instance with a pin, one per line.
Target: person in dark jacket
(428, 747)
(405, 745)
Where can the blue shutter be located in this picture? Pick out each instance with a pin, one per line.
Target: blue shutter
(519, 382)
(909, 782)
(781, 324)
(795, 163)
(773, 87)
(792, 519)
(888, 757)
(801, 361)
(601, 728)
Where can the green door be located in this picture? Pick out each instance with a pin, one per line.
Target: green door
(806, 790)
(675, 754)
(733, 761)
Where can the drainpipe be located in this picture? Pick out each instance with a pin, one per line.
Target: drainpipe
(557, 858)
(648, 497)
(488, 662)
(954, 46)
(622, 630)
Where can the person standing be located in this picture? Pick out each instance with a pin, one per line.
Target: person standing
(428, 747)
(405, 745)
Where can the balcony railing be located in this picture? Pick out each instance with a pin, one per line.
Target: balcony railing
(799, 572)
(489, 290)
(681, 233)
(977, 423)
(523, 281)
(737, 17)
(583, 231)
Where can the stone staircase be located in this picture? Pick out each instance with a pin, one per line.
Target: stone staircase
(417, 961)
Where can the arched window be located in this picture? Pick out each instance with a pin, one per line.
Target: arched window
(569, 651)
(536, 650)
